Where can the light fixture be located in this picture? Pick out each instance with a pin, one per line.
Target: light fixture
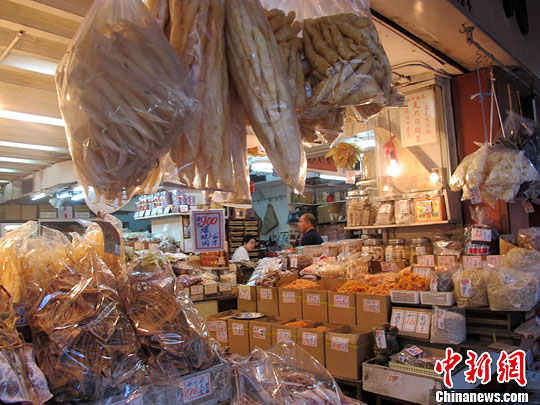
(6, 170)
(434, 177)
(34, 147)
(332, 177)
(78, 189)
(386, 188)
(265, 167)
(39, 119)
(64, 195)
(23, 161)
(77, 197)
(393, 168)
(38, 196)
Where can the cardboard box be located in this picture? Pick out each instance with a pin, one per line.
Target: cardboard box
(372, 310)
(261, 331)
(347, 350)
(10, 212)
(414, 322)
(29, 212)
(405, 297)
(341, 306)
(47, 211)
(217, 326)
(290, 302)
(82, 212)
(312, 340)
(430, 209)
(267, 297)
(247, 298)
(238, 333)
(315, 305)
(280, 331)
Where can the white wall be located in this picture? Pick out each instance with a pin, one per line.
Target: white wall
(275, 193)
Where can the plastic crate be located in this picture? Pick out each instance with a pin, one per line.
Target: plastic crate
(405, 297)
(413, 369)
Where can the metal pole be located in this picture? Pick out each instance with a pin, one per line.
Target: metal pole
(11, 45)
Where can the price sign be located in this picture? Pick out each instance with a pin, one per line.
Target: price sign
(414, 351)
(313, 300)
(397, 318)
(420, 250)
(197, 387)
(153, 212)
(426, 260)
(238, 329)
(197, 289)
(112, 241)
(211, 289)
(208, 230)
(476, 196)
(380, 338)
(19, 310)
(309, 339)
(265, 293)
(221, 326)
(167, 209)
(388, 266)
(472, 262)
(294, 261)
(424, 320)
(395, 379)
(225, 286)
(494, 260)
(153, 246)
(137, 215)
(284, 334)
(528, 207)
(289, 297)
(446, 260)
(212, 326)
(409, 321)
(147, 213)
(351, 177)
(422, 271)
(184, 209)
(433, 284)
(138, 246)
(340, 344)
(259, 332)
(244, 292)
(439, 318)
(481, 235)
(221, 336)
(160, 211)
(372, 306)
(466, 287)
(341, 301)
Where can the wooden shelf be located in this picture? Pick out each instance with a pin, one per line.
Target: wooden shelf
(317, 204)
(173, 214)
(397, 225)
(333, 223)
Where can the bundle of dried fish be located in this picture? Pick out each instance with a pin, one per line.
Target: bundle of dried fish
(125, 98)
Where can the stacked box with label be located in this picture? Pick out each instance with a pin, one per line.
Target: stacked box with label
(247, 298)
(312, 340)
(315, 304)
(341, 305)
(347, 350)
(372, 310)
(238, 334)
(290, 302)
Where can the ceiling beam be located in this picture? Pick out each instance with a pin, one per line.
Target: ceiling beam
(30, 101)
(33, 154)
(26, 78)
(33, 45)
(58, 12)
(78, 7)
(33, 132)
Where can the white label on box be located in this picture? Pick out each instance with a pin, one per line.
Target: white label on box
(341, 301)
(184, 209)
(409, 321)
(138, 246)
(422, 271)
(259, 332)
(238, 329)
(414, 350)
(388, 266)
(284, 334)
(387, 256)
(147, 213)
(494, 260)
(211, 289)
(395, 379)
(466, 287)
(476, 196)
(265, 293)
(221, 336)
(289, 297)
(309, 339)
(433, 285)
(439, 318)
(380, 338)
(426, 260)
(197, 387)
(446, 260)
(345, 248)
(372, 305)
(196, 290)
(212, 327)
(160, 211)
(420, 250)
(221, 326)
(472, 262)
(340, 344)
(244, 292)
(314, 300)
(225, 286)
(294, 261)
(153, 246)
(397, 318)
(424, 320)
(153, 212)
(481, 235)
(167, 209)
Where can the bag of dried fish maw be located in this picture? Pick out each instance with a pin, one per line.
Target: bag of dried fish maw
(85, 345)
(470, 288)
(510, 289)
(125, 97)
(259, 76)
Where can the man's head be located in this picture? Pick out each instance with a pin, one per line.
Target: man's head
(249, 242)
(307, 223)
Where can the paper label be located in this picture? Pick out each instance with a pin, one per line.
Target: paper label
(439, 318)
(466, 287)
(433, 284)
(259, 332)
(422, 271)
(284, 334)
(472, 262)
(197, 387)
(184, 209)
(225, 286)
(211, 289)
(528, 207)
(380, 338)
(403, 207)
(494, 260)
(221, 326)
(372, 306)
(153, 246)
(19, 310)
(238, 329)
(423, 323)
(294, 261)
(221, 261)
(265, 293)
(388, 266)
(394, 379)
(197, 289)
(446, 260)
(244, 293)
(154, 212)
(112, 238)
(409, 321)
(345, 248)
(426, 260)
(212, 326)
(289, 297)
(414, 351)
(350, 177)
(341, 301)
(309, 339)
(420, 250)
(160, 211)
(138, 246)
(340, 344)
(167, 209)
(397, 318)
(147, 213)
(314, 300)
(221, 336)
(476, 196)
(481, 235)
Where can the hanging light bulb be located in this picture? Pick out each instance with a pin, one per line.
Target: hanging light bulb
(393, 168)
(434, 177)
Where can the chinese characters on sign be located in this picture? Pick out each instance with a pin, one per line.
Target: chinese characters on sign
(208, 230)
(418, 123)
(509, 367)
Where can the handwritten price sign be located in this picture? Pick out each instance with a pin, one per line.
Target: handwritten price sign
(314, 300)
(341, 301)
(340, 344)
(208, 230)
(197, 387)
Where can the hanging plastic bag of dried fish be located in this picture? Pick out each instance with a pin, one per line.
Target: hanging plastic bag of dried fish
(125, 97)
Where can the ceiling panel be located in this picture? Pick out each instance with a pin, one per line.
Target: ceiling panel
(27, 100)
(77, 7)
(32, 45)
(21, 77)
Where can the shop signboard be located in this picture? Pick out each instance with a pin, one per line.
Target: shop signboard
(418, 121)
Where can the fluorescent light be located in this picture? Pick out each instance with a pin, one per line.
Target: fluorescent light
(77, 197)
(4, 181)
(331, 177)
(78, 189)
(30, 63)
(40, 119)
(6, 170)
(65, 194)
(38, 196)
(265, 167)
(24, 161)
(34, 147)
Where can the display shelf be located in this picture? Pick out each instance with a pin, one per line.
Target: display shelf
(172, 214)
(333, 223)
(352, 228)
(305, 204)
(82, 222)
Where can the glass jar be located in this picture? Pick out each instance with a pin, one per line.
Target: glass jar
(373, 250)
(397, 251)
(420, 247)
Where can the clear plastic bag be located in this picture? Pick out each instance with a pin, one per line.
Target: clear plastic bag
(481, 238)
(448, 326)
(414, 356)
(268, 272)
(529, 238)
(286, 374)
(510, 289)
(125, 97)
(527, 260)
(470, 288)
(257, 69)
